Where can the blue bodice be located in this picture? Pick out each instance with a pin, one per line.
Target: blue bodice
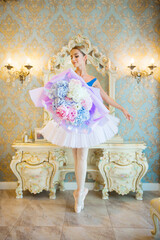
(90, 83)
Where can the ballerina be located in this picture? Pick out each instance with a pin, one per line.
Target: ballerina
(80, 119)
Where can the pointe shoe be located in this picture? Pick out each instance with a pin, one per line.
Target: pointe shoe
(79, 200)
(84, 196)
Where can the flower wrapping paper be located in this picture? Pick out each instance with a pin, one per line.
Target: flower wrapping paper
(73, 104)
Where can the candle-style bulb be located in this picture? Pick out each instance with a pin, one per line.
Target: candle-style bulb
(132, 60)
(28, 61)
(152, 61)
(9, 61)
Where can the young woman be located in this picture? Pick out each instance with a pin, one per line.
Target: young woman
(78, 59)
(93, 123)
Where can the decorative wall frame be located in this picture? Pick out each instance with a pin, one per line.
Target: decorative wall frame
(38, 136)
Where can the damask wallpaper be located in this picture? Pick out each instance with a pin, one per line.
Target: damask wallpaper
(121, 29)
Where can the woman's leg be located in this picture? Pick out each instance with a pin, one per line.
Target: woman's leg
(81, 168)
(74, 151)
(80, 160)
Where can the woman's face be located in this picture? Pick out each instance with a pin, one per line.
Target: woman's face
(77, 58)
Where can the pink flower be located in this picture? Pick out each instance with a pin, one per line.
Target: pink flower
(62, 112)
(72, 114)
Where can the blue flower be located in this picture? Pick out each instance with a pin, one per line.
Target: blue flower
(62, 89)
(62, 84)
(61, 92)
(82, 116)
(59, 89)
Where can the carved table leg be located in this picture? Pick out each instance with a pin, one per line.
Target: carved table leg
(105, 194)
(139, 194)
(61, 181)
(61, 186)
(101, 165)
(54, 183)
(19, 192)
(142, 161)
(96, 186)
(52, 194)
(13, 165)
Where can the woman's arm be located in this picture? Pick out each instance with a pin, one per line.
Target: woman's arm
(110, 101)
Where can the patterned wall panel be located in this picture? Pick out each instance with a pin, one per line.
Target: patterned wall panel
(121, 29)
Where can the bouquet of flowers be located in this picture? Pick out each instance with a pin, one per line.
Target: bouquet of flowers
(70, 103)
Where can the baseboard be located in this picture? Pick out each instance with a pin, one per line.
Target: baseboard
(73, 185)
(90, 186)
(151, 186)
(8, 185)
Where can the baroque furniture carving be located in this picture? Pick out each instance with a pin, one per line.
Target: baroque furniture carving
(112, 166)
(155, 215)
(115, 165)
(122, 167)
(35, 167)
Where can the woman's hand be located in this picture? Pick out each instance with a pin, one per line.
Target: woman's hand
(126, 114)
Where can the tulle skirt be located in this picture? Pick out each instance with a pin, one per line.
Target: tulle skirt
(100, 133)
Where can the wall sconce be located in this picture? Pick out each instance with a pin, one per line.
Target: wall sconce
(21, 74)
(141, 73)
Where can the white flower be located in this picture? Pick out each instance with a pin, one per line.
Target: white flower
(75, 94)
(78, 93)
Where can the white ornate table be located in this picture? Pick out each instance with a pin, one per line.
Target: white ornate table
(122, 167)
(113, 166)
